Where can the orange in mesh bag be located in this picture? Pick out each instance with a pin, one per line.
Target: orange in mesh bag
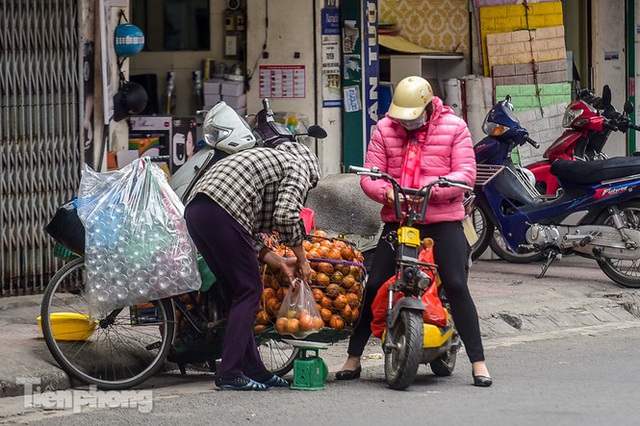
(299, 316)
(434, 312)
(336, 281)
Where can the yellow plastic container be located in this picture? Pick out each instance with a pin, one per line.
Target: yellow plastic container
(70, 326)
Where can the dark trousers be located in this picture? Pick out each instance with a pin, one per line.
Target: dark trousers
(451, 256)
(228, 250)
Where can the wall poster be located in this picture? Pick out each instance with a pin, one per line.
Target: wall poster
(331, 58)
(282, 81)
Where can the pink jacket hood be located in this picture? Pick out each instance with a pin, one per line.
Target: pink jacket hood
(446, 151)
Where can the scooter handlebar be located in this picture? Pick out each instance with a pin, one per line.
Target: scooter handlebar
(535, 144)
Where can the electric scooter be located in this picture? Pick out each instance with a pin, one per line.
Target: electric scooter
(408, 341)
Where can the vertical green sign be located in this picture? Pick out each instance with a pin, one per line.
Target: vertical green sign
(630, 16)
(352, 129)
(360, 76)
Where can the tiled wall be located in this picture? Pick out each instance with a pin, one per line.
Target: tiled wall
(547, 72)
(521, 47)
(542, 116)
(524, 96)
(544, 126)
(480, 3)
(434, 24)
(514, 17)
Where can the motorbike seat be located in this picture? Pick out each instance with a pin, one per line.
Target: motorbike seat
(590, 172)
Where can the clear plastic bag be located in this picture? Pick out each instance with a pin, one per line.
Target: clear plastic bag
(299, 315)
(137, 244)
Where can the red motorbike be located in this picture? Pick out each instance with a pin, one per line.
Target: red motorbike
(589, 121)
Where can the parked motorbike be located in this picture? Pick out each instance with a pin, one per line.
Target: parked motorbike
(226, 133)
(504, 133)
(597, 214)
(589, 121)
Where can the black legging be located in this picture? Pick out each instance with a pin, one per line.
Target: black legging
(451, 256)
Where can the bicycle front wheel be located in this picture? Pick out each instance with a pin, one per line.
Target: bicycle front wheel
(112, 352)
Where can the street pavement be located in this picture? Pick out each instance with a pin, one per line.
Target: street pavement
(512, 304)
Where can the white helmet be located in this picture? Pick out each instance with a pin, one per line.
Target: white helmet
(410, 98)
(225, 130)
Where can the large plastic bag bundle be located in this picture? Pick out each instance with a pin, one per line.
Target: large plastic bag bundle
(137, 244)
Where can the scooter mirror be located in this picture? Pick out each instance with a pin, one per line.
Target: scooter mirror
(628, 107)
(316, 131)
(606, 95)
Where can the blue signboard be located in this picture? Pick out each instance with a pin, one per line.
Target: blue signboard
(370, 66)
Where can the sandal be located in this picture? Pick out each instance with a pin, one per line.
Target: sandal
(277, 382)
(240, 383)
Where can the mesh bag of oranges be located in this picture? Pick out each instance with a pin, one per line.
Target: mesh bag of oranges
(336, 283)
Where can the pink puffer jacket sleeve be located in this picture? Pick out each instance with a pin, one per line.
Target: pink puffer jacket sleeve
(376, 157)
(463, 164)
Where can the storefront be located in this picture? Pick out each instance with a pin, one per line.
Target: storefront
(323, 61)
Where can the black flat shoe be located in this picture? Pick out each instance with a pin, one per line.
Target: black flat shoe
(482, 381)
(349, 374)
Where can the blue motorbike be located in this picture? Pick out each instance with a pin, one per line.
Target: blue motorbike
(504, 133)
(596, 216)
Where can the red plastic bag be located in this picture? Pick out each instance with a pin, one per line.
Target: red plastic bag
(379, 308)
(434, 312)
(309, 218)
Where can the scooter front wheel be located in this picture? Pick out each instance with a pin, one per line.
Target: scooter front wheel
(405, 349)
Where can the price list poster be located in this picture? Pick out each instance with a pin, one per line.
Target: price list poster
(282, 81)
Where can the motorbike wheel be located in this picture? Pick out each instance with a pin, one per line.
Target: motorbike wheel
(402, 362)
(484, 229)
(622, 271)
(525, 254)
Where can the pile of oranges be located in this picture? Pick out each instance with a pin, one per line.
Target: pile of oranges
(336, 283)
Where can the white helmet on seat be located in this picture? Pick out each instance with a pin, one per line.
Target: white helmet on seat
(225, 130)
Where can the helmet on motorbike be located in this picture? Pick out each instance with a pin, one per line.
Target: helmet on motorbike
(410, 97)
(226, 131)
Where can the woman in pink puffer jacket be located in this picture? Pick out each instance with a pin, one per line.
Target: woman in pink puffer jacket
(431, 141)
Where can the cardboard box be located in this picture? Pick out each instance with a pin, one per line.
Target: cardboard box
(212, 87)
(232, 88)
(212, 99)
(235, 102)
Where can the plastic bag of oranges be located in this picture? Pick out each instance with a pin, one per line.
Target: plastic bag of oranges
(299, 315)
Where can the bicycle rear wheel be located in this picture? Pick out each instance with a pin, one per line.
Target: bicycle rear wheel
(117, 354)
(277, 356)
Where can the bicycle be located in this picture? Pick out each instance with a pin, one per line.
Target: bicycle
(409, 341)
(127, 346)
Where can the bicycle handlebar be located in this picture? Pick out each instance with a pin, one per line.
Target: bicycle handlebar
(422, 193)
